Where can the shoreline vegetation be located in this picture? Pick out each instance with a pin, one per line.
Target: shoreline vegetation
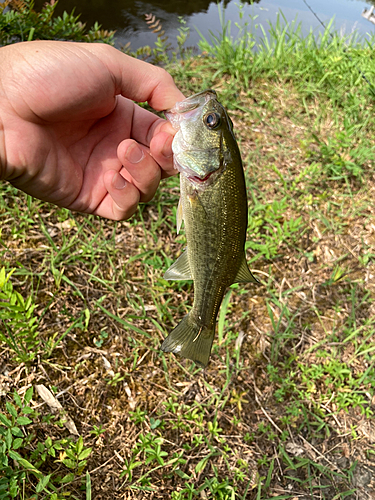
(285, 409)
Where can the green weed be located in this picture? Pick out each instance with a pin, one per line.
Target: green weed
(20, 324)
(20, 22)
(24, 457)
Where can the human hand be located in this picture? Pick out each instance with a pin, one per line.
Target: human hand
(70, 133)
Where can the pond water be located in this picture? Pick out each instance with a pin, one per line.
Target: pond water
(127, 17)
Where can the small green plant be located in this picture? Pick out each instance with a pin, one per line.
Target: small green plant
(19, 22)
(137, 416)
(73, 456)
(233, 55)
(97, 431)
(271, 228)
(183, 35)
(150, 447)
(129, 466)
(12, 438)
(159, 54)
(19, 323)
(343, 156)
(103, 336)
(23, 457)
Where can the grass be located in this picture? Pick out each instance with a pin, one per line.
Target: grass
(285, 408)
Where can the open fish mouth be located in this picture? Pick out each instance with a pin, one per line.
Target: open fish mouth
(192, 172)
(201, 179)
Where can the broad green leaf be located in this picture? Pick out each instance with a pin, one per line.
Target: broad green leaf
(134, 465)
(182, 474)
(28, 303)
(16, 431)
(43, 482)
(17, 399)
(24, 463)
(29, 395)
(4, 420)
(69, 463)
(13, 488)
(48, 442)
(70, 454)
(2, 277)
(17, 443)
(84, 454)
(8, 439)
(14, 455)
(52, 451)
(27, 410)
(79, 445)
(23, 421)
(68, 478)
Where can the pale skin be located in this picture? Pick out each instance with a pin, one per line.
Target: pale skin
(70, 132)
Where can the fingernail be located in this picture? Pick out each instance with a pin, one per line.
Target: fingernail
(118, 182)
(134, 153)
(167, 148)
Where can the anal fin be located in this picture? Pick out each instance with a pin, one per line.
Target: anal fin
(244, 274)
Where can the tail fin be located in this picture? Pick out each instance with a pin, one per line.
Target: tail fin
(190, 340)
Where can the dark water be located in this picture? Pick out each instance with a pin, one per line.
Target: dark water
(127, 17)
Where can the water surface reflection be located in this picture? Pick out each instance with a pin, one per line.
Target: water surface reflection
(127, 17)
(129, 14)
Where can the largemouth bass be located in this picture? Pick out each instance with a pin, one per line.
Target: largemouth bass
(213, 206)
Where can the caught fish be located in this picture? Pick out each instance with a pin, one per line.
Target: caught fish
(213, 206)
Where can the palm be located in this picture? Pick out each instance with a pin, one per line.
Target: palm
(68, 130)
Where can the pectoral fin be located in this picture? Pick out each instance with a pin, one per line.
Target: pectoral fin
(180, 269)
(180, 215)
(244, 274)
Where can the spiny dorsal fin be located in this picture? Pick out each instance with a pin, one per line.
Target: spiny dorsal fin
(244, 274)
(180, 269)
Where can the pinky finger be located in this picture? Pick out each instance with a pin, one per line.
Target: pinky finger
(121, 200)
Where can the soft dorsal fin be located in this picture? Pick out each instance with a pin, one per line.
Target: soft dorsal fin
(244, 274)
(180, 269)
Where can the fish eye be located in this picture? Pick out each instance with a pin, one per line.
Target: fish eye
(212, 120)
